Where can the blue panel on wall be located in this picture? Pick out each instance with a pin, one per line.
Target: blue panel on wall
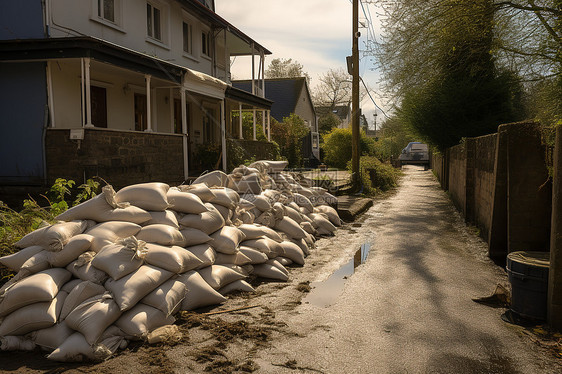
(21, 19)
(23, 101)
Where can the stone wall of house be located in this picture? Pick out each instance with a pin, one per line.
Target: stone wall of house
(121, 158)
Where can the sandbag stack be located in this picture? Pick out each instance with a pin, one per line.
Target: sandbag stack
(121, 265)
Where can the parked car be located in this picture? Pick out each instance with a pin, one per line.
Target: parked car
(415, 153)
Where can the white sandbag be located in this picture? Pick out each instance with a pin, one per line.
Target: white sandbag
(272, 234)
(142, 319)
(242, 270)
(103, 208)
(164, 334)
(193, 237)
(118, 260)
(167, 217)
(40, 287)
(322, 197)
(226, 239)
(252, 231)
(330, 212)
(284, 261)
(237, 286)
(278, 265)
(307, 226)
(225, 212)
(248, 184)
(33, 317)
(208, 222)
(269, 166)
(37, 263)
(80, 293)
(246, 217)
(71, 251)
(93, 316)
(199, 189)
(219, 276)
(52, 337)
(245, 204)
(293, 252)
(69, 286)
(322, 223)
(82, 268)
(149, 196)
(185, 202)
(205, 253)
(16, 343)
(215, 178)
(265, 245)
(76, 349)
(166, 297)
(226, 197)
(173, 259)
(161, 234)
(255, 256)
(290, 227)
(17, 259)
(293, 214)
(303, 245)
(270, 272)
(199, 293)
(260, 202)
(109, 232)
(54, 237)
(128, 290)
(237, 259)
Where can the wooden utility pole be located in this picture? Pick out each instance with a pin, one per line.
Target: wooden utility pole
(355, 98)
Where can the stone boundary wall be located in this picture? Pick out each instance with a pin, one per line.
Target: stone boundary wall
(119, 157)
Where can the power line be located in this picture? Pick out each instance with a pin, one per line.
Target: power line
(373, 100)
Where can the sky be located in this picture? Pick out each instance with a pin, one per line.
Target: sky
(315, 33)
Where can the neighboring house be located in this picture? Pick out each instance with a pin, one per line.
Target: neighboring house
(291, 95)
(343, 112)
(128, 90)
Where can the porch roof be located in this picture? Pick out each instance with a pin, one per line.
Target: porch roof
(247, 98)
(100, 50)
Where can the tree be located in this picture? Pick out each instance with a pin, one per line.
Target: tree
(285, 68)
(337, 147)
(289, 134)
(327, 122)
(334, 89)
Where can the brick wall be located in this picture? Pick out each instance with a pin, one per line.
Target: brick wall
(119, 157)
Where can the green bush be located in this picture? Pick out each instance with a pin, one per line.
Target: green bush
(338, 144)
(385, 176)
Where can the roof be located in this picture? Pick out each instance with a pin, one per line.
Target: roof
(284, 92)
(342, 111)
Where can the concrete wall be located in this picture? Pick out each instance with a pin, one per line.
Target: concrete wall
(119, 157)
(457, 176)
(555, 271)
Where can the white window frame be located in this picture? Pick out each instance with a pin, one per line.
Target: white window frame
(97, 14)
(164, 23)
(189, 51)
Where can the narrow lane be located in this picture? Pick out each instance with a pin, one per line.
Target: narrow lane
(409, 308)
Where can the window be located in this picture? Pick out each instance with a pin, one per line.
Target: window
(153, 26)
(106, 10)
(205, 44)
(98, 99)
(141, 122)
(187, 37)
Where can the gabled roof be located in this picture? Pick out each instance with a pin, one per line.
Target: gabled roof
(342, 111)
(284, 92)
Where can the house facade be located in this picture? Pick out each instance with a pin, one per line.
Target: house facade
(291, 95)
(343, 112)
(123, 89)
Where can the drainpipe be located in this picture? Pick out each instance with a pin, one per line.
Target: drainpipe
(148, 104)
(184, 133)
(88, 96)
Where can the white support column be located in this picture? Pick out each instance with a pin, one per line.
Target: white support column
(171, 102)
(269, 125)
(148, 104)
(50, 93)
(223, 136)
(184, 133)
(82, 92)
(254, 123)
(253, 71)
(88, 95)
(262, 74)
(263, 121)
(240, 135)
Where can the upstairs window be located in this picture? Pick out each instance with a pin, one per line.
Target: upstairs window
(106, 10)
(153, 25)
(205, 44)
(187, 42)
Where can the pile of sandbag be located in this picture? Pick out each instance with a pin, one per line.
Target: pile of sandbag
(121, 265)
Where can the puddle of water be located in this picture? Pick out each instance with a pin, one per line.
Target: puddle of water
(325, 293)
